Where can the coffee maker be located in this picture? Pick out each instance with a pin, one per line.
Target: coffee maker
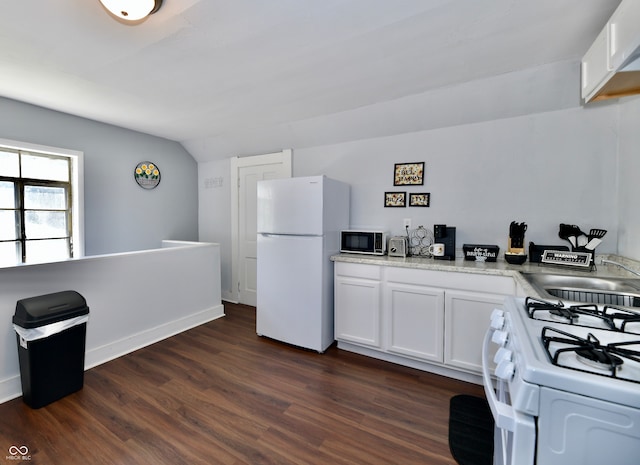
(445, 235)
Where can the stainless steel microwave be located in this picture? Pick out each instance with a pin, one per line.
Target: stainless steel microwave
(364, 242)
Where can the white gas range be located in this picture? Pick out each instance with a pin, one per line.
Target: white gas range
(568, 383)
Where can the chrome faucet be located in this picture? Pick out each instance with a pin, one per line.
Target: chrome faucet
(604, 262)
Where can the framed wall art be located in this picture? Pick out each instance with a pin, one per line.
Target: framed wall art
(395, 199)
(419, 199)
(408, 174)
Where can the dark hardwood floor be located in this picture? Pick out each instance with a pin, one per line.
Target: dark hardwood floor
(219, 394)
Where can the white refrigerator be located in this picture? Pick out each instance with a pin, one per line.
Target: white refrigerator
(299, 223)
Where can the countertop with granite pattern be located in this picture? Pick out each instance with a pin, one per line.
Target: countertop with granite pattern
(497, 268)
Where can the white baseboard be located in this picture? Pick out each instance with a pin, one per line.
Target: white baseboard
(113, 350)
(230, 297)
(11, 388)
(411, 363)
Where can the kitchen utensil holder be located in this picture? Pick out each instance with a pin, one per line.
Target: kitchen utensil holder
(574, 234)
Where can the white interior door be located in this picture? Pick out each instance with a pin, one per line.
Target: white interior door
(246, 172)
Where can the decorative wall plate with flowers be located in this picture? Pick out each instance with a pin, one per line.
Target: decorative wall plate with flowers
(147, 175)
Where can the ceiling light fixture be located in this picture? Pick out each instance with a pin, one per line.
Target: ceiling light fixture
(132, 10)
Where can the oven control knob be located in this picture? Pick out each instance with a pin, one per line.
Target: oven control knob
(503, 354)
(505, 370)
(497, 321)
(500, 337)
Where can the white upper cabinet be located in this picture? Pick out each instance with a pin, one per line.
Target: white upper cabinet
(624, 34)
(611, 66)
(595, 65)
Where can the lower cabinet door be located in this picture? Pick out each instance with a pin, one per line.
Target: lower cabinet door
(467, 318)
(357, 311)
(415, 321)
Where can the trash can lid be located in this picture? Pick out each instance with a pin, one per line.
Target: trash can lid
(50, 308)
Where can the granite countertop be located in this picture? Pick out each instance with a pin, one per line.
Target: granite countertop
(497, 268)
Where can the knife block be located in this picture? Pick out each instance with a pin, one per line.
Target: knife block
(518, 250)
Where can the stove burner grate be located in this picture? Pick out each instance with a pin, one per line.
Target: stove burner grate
(612, 318)
(533, 305)
(625, 315)
(599, 359)
(606, 359)
(564, 315)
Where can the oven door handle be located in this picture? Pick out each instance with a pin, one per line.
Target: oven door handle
(517, 429)
(504, 415)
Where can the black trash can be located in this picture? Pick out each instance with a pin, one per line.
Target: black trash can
(51, 333)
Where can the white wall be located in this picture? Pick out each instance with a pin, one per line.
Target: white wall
(516, 147)
(119, 215)
(543, 169)
(629, 173)
(214, 212)
(134, 299)
(534, 90)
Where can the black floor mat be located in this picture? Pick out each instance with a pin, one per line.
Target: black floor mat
(471, 429)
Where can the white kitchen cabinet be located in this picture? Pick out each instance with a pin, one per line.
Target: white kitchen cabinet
(595, 64)
(415, 320)
(465, 321)
(427, 319)
(358, 303)
(608, 67)
(624, 33)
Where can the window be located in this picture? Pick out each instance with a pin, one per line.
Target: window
(40, 195)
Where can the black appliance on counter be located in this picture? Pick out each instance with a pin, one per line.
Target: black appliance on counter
(446, 235)
(537, 251)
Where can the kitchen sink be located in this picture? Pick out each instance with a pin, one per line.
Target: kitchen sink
(586, 289)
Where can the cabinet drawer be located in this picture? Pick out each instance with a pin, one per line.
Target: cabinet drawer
(482, 283)
(452, 280)
(358, 270)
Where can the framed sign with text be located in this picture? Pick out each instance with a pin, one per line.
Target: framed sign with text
(395, 199)
(419, 199)
(408, 174)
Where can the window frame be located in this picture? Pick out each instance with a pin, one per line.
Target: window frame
(76, 185)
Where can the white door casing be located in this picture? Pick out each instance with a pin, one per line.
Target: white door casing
(245, 173)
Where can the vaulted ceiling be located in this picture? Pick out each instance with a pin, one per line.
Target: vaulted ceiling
(222, 77)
